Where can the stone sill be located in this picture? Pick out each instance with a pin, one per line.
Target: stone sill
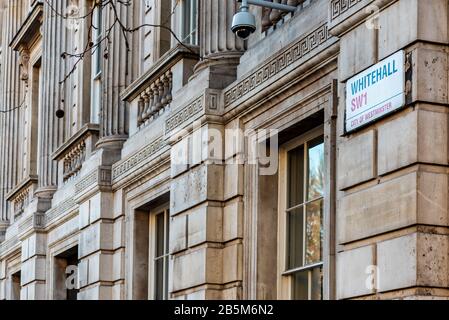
(167, 61)
(30, 29)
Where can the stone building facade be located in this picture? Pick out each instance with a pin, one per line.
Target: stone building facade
(217, 168)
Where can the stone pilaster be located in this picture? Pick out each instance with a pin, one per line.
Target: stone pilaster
(11, 96)
(96, 247)
(33, 267)
(51, 129)
(115, 78)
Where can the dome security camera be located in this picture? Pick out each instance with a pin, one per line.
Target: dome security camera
(243, 23)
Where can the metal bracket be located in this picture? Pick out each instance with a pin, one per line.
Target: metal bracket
(267, 4)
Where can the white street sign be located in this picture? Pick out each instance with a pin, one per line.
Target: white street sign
(376, 92)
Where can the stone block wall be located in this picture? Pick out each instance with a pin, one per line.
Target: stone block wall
(392, 213)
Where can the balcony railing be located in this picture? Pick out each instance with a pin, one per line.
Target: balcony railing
(272, 16)
(21, 196)
(155, 99)
(74, 160)
(152, 93)
(72, 154)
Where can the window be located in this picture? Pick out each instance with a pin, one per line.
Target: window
(155, 42)
(190, 22)
(160, 256)
(150, 250)
(301, 206)
(97, 34)
(15, 286)
(65, 275)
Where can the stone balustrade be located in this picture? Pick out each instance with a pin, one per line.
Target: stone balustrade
(155, 99)
(74, 160)
(21, 196)
(271, 17)
(74, 152)
(151, 94)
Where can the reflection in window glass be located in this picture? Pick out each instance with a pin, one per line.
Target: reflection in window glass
(295, 243)
(305, 190)
(315, 169)
(314, 232)
(190, 22)
(301, 285)
(161, 256)
(296, 177)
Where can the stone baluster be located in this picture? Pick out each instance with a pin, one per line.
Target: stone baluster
(164, 84)
(266, 21)
(160, 86)
(140, 111)
(146, 106)
(155, 101)
(275, 14)
(170, 87)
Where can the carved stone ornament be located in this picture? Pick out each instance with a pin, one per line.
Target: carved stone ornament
(24, 65)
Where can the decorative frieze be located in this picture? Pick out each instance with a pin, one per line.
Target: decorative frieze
(339, 7)
(9, 244)
(62, 208)
(135, 160)
(184, 114)
(101, 177)
(278, 63)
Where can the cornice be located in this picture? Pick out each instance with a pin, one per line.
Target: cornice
(30, 29)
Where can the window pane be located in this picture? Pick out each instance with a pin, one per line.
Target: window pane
(295, 238)
(301, 285)
(314, 236)
(295, 177)
(160, 238)
(315, 180)
(189, 26)
(159, 279)
(317, 284)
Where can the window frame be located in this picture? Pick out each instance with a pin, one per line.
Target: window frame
(96, 66)
(193, 20)
(285, 275)
(152, 284)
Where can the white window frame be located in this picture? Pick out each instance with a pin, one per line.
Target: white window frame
(285, 275)
(163, 209)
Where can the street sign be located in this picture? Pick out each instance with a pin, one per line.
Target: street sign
(376, 92)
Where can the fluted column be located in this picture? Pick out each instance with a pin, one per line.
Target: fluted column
(218, 44)
(51, 129)
(116, 77)
(11, 96)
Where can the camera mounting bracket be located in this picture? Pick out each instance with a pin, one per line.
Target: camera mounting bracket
(268, 4)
